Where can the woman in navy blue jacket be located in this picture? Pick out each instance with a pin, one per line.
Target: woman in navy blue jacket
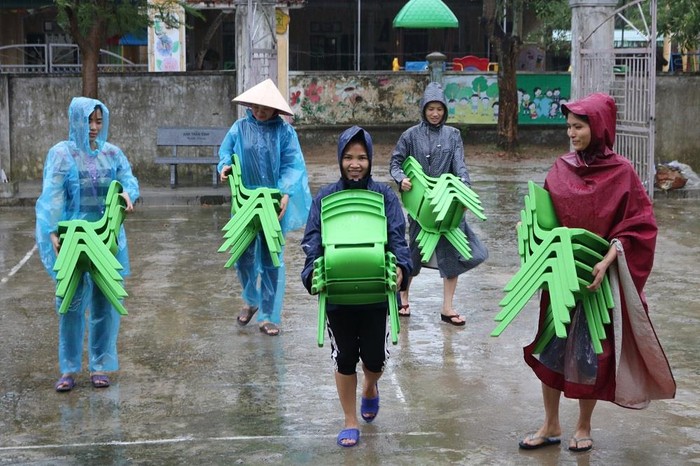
(357, 332)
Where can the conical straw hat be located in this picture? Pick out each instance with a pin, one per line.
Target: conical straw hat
(266, 94)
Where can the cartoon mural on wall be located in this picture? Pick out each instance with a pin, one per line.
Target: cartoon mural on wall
(473, 99)
(355, 100)
(376, 99)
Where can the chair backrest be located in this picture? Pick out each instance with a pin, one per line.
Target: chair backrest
(353, 217)
(544, 215)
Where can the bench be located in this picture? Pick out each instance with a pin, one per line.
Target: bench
(190, 137)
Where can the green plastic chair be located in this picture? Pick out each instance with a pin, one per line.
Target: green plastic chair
(561, 261)
(438, 205)
(546, 221)
(256, 216)
(355, 268)
(89, 247)
(351, 237)
(448, 196)
(596, 318)
(97, 255)
(252, 211)
(427, 242)
(587, 247)
(546, 278)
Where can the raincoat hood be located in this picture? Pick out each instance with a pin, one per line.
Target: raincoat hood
(79, 113)
(601, 111)
(433, 93)
(346, 136)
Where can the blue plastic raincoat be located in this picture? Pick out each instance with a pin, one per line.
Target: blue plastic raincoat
(270, 157)
(75, 184)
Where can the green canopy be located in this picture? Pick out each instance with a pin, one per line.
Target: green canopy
(425, 14)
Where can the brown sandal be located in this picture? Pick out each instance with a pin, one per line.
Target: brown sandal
(270, 329)
(405, 310)
(246, 315)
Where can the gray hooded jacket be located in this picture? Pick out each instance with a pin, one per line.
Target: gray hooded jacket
(439, 149)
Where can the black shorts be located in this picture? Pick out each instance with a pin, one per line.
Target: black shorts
(358, 333)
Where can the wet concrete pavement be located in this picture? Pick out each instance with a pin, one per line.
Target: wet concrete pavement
(194, 387)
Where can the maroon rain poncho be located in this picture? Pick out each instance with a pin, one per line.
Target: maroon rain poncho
(599, 190)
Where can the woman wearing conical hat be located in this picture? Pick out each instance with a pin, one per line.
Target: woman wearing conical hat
(270, 156)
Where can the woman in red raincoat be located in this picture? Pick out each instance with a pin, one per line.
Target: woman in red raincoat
(596, 189)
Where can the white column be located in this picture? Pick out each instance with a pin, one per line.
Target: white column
(591, 30)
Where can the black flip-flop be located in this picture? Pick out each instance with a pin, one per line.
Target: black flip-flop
(449, 320)
(546, 442)
(577, 449)
(270, 329)
(407, 308)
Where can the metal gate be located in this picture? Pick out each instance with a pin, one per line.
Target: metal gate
(628, 74)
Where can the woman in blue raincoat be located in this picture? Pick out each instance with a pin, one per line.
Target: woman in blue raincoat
(270, 156)
(77, 175)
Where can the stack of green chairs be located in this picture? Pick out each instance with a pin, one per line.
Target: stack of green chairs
(252, 211)
(91, 247)
(355, 268)
(560, 260)
(438, 204)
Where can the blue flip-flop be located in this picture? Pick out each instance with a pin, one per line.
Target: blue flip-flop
(65, 384)
(99, 381)
(353, 435)
(369, 407)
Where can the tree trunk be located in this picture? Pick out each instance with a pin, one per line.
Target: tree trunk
(507, 48)
(89, 46)
(90, 57)
(508, 96)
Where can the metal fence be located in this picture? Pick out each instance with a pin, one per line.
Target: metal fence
(58, 58)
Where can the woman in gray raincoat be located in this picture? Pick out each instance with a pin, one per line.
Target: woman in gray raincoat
(77, 175)
(439, 149)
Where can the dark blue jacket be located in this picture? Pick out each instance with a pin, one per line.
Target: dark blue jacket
(396, 225)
